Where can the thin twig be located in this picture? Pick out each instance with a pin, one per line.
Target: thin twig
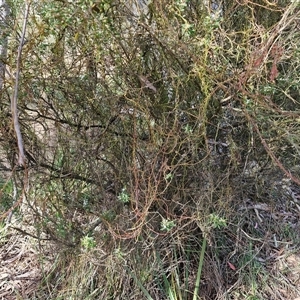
(14, 109)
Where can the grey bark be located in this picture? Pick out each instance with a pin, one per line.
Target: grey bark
(14, 100)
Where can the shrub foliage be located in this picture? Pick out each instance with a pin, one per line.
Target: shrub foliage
(153, 122)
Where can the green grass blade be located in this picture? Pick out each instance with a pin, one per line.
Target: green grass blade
(148, 296)
(201, 259)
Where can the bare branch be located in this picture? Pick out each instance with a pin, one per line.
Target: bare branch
(14, 109)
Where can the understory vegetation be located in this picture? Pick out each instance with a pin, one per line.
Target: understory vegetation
(161, 150)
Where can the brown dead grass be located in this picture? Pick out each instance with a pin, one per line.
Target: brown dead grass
(260, 262)
(23, 265)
